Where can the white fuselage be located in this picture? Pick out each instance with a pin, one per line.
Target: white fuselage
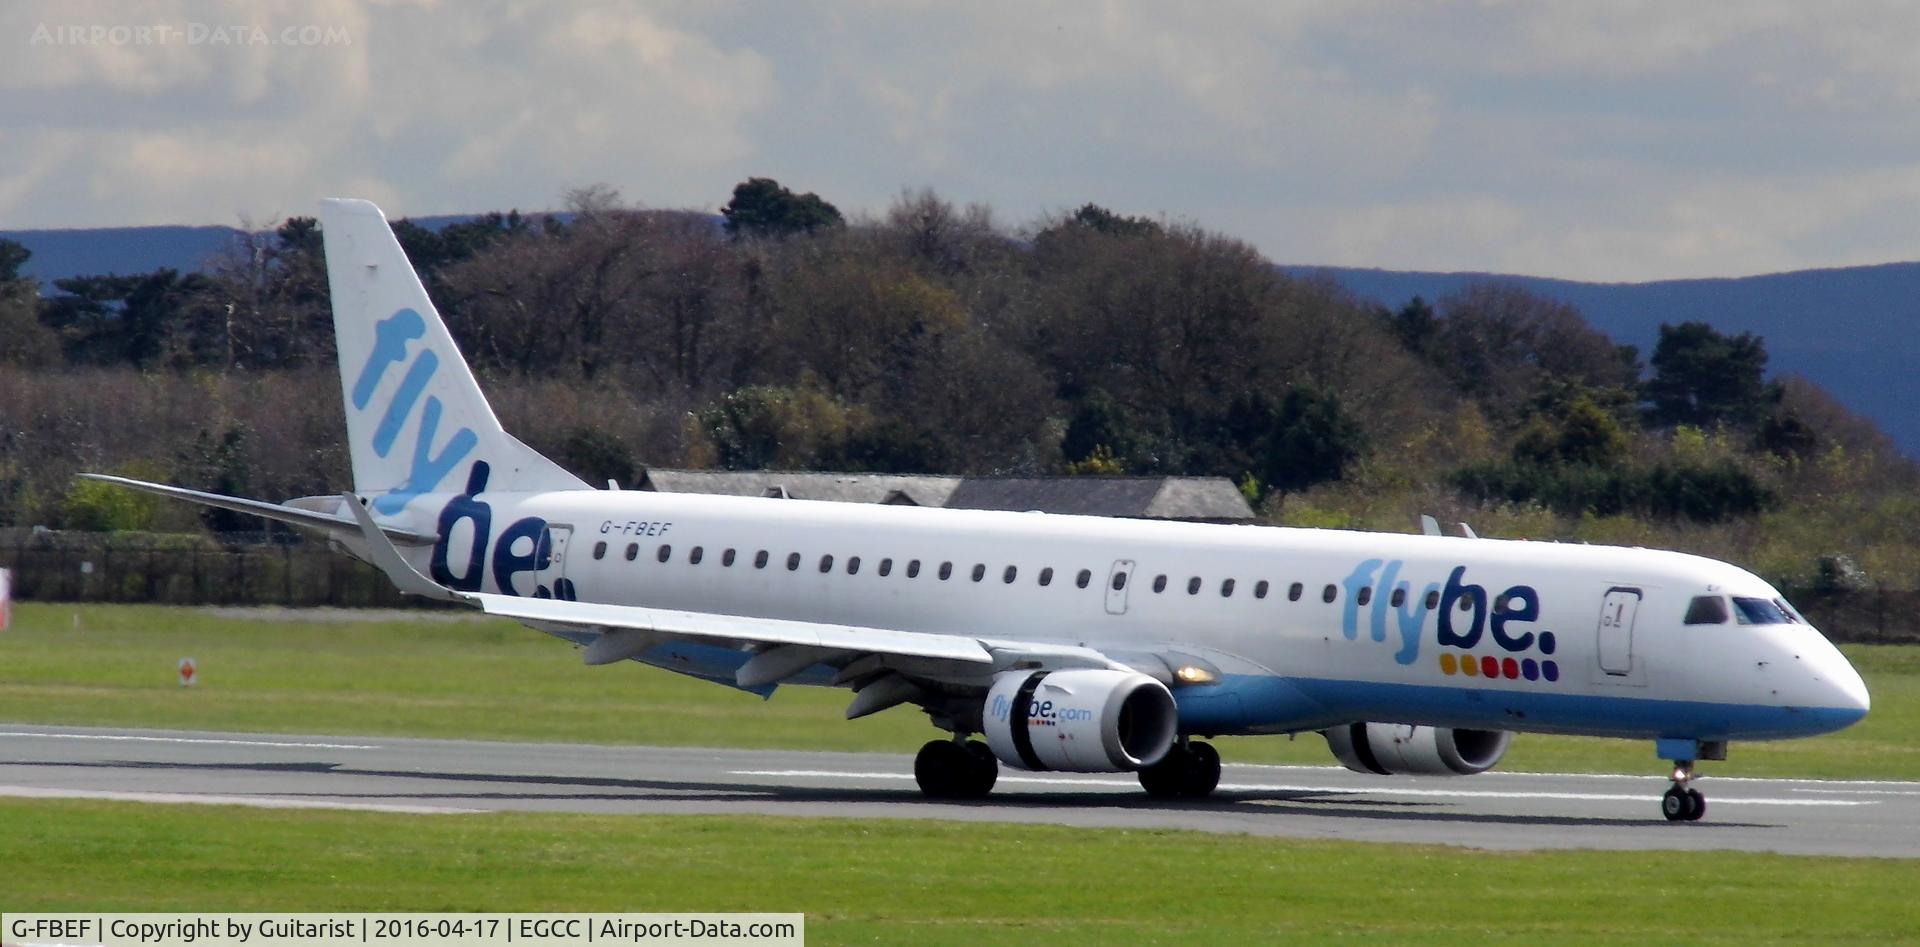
(1536, 636)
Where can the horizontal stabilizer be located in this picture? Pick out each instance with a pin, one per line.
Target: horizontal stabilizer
(279, 512)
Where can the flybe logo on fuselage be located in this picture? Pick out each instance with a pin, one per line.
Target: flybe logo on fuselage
(426, 468)
(1495, 635)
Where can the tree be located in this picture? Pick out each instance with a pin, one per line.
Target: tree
(23, 339)
(1704, 378)
(1312, 441)
(1502, 344)
(761, 207)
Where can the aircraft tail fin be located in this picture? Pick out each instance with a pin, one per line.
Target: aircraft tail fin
(417, 421)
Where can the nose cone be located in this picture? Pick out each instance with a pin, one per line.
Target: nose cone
(1845, 694)
(1851, 690)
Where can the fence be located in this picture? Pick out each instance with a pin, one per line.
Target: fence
(285, 569)
(227, 570)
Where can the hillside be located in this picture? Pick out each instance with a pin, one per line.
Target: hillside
(1849, 329)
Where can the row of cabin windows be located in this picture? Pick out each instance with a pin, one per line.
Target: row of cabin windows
(697, 554)
(1328, 594)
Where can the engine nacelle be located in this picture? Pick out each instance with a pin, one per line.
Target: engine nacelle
(1393, 749)
(1079, 721)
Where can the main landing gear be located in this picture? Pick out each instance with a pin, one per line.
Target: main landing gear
(955, 769)
(1683, 803)
(1190, 770)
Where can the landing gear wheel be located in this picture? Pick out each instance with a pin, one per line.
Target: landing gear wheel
(1188, 771)
(949, 770)
(1676, 805)
(1698, 805)
(1682, 802)
(985, 772)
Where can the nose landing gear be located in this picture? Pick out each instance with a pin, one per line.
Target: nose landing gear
(1683, 803)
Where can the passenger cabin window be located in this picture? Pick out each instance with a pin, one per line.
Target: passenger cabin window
(1707, 610)
(1433, 600)
(1159, 583)
(1226, 588)
(695, 554)
(1758, 611)
(1329, 593)
(1008, 575)
(1193, 586)
(853, 565)
(1085, 576)
(793, 562)
(979, 571)
(1365, 596)
(1398, 598)
(600, 550)
(913, 568)
(1260, 589)
(826, 563)
(665, 553)
(886, 568)
(726, 559)
(1046, 576)
(1119, 581)
(946, 571)
(760, 559)
(1294, 592)
(633, 551)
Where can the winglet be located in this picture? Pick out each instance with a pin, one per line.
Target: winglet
(1429, 526)
(388, 559)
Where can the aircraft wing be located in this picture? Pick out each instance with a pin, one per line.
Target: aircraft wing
(734, 628)
(781, 647)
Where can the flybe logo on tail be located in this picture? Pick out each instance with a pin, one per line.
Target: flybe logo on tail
(1465, 620)
(426, 466)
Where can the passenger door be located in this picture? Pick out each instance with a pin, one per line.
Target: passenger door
(1614, 637)
(553, 578)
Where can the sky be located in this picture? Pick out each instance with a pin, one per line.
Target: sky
(1599, 141)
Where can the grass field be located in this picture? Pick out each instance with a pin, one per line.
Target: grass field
(444, 675)
(932, 882)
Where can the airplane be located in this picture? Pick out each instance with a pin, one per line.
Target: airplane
(1040, 641)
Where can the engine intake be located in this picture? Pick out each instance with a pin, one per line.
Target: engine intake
(1393, 749)
(1079, 721)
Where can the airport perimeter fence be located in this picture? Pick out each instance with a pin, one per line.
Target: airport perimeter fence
(225, 569)
(284, 568)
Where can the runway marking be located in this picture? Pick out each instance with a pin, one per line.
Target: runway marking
(130, 738)
(1519, 774)
(258, 802)
(1345, 790)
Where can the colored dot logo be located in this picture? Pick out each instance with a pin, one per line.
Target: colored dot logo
(1494, 668)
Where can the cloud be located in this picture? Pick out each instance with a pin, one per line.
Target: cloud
(1607, 141)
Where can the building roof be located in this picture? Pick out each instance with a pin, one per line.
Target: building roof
(1210, 499)
(1161, 498)
(847, 487)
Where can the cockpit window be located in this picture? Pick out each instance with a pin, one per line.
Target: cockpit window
(1792, 616)
(1759, 611)
(1707, 610)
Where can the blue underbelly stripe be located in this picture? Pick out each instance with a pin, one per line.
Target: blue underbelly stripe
(1310, 703)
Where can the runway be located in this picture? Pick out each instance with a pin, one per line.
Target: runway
(450, 777)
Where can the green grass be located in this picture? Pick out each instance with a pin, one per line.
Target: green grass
(489, 679)
(891, 881)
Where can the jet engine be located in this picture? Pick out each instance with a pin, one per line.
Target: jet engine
(1392, 749)
(1079, 721)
